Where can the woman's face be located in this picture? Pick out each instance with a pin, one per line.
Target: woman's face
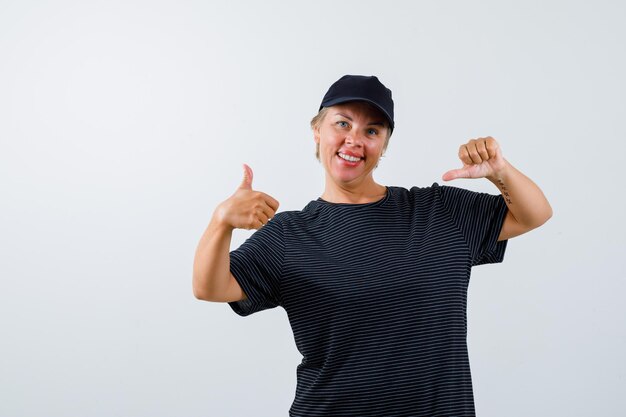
(354, 129)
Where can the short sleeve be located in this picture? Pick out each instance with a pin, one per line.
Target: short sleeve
(479, 216)
(257, 267)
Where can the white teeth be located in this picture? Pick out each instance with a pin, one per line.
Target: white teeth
(348, 157)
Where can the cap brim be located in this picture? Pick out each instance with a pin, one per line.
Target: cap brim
(345, 99)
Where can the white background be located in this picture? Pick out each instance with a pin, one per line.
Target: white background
(123, 124)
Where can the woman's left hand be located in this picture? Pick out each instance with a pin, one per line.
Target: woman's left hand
(481, 157)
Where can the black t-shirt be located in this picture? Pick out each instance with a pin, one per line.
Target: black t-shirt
(376, 296)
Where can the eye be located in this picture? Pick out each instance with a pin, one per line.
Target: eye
(374, 130)
(342, 122)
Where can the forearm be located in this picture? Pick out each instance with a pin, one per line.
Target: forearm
(523, 197)
(211, 266)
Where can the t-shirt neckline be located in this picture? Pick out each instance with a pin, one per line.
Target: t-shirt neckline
(320, 200)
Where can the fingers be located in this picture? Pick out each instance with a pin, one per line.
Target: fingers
(471, 152)
(253, 209)
(481, 147)
(262, 213)
(265, 203)
(453, 174)
(464, 155)
(270, 201)
(476, 151)
(246, 182)
(260, 220)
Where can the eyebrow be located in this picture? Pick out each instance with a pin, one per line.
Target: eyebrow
(369, 124)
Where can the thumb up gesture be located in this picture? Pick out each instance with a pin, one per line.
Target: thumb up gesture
(246, 208)
(481, 157)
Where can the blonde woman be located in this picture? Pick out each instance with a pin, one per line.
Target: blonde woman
(373, 278)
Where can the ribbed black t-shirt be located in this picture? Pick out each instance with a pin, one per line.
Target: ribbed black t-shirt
(376, 296)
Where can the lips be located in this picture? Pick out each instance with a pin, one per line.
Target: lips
(351, 154)
(346, 162)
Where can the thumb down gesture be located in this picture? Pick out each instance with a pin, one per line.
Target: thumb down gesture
(246, 208)
(481, 157)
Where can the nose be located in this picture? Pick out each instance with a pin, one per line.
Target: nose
(354, 139)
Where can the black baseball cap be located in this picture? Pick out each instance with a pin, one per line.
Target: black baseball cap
(363, 88)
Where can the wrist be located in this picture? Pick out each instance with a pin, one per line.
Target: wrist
(502, 173)
(219, 223)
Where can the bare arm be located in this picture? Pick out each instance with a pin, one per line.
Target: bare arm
(528, 206)
(245, 209)
(212, 279)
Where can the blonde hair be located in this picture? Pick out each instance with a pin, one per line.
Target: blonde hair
(316, 123)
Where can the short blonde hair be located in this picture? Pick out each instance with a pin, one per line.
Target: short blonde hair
(316, 123)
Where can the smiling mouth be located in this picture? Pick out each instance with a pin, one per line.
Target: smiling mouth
(349, 158)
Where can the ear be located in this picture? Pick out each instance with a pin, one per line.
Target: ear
(316, 135)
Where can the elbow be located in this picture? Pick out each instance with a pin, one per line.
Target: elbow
(200, 291)
(199, 295)
(548, 214)
(543, 219)
(537, 221)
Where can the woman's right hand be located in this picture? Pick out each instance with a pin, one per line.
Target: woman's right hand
(246, 208)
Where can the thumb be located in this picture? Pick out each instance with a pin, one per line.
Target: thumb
(246, 183)
(455, 173)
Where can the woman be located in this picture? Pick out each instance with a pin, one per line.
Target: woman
(373, 278)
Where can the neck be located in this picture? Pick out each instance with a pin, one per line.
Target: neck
(353, 194)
